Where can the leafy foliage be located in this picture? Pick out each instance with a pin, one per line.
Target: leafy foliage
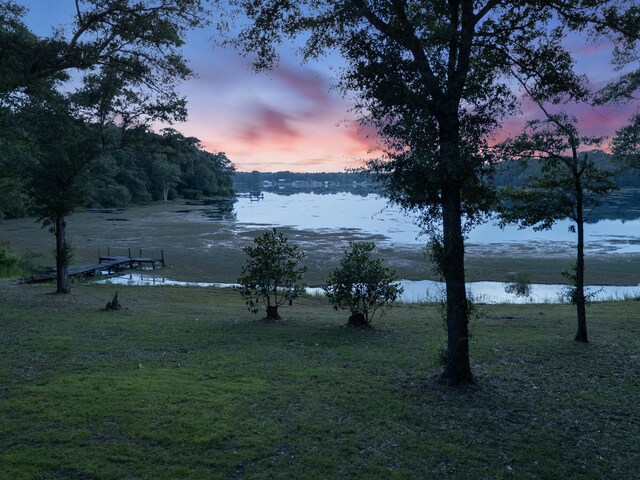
(18, 264)
(135, 41)
(62, 149)
(272, 274)
(361, 284)
(149, 166)
(626, 144)
(434, 79)
(519, 285)
(125, 55)
(569, 185)
(9, 260)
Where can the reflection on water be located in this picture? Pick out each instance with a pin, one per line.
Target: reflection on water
(220, 209)
(417, 291)
(372, 215)
(622, 205)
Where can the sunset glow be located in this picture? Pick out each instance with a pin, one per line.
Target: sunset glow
(291, 118)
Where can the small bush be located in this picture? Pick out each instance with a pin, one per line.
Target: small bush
(362, 284)
(14, 264)
(272, 275)
(9, 260)
(519, 285)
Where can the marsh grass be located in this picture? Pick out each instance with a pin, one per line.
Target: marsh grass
(198, 250)
(186, 383)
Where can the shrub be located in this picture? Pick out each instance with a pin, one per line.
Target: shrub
(9, 260)
(272, 275)
(191, 193)
(14, 264)
(362, 284)
(519, 285)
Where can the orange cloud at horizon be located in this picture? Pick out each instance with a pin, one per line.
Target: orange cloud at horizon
(322, 150)
(291, 118)
(285, 120)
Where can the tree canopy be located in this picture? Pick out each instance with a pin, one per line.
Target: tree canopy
(435, 78)
(116, 69)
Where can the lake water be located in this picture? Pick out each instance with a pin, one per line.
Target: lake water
(416, 291)
(371, 214)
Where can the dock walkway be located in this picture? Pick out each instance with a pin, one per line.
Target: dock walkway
(109, 264)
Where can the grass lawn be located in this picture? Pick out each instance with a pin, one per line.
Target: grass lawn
(185, 383)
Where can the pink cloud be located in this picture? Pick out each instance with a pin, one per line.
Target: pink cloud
(365, 138)
(268, 125)
(306, 83)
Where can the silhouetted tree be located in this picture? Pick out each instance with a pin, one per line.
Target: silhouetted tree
(569, 186)
(127, 53)
(272, 275)
(626, 144)
(61, 149)
(433, 77)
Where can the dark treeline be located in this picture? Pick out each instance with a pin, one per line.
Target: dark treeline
(133, 167)
(77, 107)
(510, 173)
(289, 182)
(516, 173)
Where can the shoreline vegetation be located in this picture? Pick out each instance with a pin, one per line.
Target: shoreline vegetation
(186, 383)
(200, 251)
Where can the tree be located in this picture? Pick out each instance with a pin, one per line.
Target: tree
(126, 52)
(433, 77)
(569, 186)
(165, 175)
(626, 144)
(137, 38)
(362, 284)
(625, 88)
(272, 275)
(62, 148)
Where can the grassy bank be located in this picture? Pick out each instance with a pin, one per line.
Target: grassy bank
(185, 383)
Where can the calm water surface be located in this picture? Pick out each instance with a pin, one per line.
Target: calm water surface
(416, 291)
(371, 214)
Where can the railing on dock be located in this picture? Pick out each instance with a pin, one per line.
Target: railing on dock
(130, 260)
(109, 263)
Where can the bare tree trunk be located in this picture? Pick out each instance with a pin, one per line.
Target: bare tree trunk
(581, 335)
(62, 269)
(458, 369)
(272, 312)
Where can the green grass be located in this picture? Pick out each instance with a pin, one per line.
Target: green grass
(185, 383)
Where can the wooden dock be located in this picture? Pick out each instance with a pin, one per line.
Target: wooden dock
(109, 264)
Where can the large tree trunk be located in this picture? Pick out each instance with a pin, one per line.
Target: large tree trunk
(581, 335)
(272, 312)
(62, 269)
(458, 369)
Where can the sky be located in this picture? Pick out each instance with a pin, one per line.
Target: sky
(291, 118)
